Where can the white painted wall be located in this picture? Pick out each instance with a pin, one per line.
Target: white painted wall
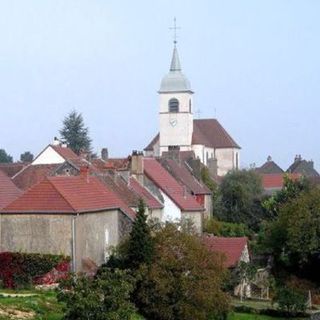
(179, 133)
(48, 156)
(170, 211)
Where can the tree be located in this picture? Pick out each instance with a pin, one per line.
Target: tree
(184, 280)
(75, 133)
(138, 248)
(27, 156)
(291, 189)
(104, 298)
(293, 238)
(4, 157)
(239, 199)
(140, 245)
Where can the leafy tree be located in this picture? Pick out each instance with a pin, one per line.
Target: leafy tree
(239, 199)
(291, 190)
(4, 157)
(226, 229)
(75, 133)
(103, 298)
(290, 300)
(293, 238)
(27, 156)
(184, 280)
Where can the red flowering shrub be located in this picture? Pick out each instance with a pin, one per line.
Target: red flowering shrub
(24, 269)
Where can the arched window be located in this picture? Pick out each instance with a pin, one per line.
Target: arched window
(173, 105)
(190, 105)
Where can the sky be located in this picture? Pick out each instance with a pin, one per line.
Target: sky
(254, 65)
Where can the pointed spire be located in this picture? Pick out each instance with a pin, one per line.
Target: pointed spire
(175, 62)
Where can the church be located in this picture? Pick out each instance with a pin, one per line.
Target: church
(209, 141)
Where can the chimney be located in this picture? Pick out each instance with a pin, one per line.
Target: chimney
(56, 141)
(137, 165)
(212, 165)
(269, 159)
(104, 154)
(84, 172)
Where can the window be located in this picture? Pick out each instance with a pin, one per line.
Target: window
(173, 148)
(190, 105)
(173, 105)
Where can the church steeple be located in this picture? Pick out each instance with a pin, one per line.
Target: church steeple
(175, 61)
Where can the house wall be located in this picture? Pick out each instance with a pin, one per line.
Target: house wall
(96, 233)
(171, 211)
(196, 218)
(36, 233)
(48, 156)
(208, 205)
(156, 214)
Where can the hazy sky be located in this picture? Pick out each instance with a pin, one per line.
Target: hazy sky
(255, 65)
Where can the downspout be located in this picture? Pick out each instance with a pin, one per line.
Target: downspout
(73, 240)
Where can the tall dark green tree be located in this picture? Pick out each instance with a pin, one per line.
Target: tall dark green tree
(27, 156)
(75, 133)
(140, 245)
(5, 157)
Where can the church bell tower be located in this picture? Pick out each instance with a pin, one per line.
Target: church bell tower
(176, 104)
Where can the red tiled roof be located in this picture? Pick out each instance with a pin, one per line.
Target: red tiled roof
(65, 152)
(118, 185)
(170, 186)
(210, 133)
(8, 191)
(184, 176)
(118, 163)
(232, 248)
(10, 169)
(73, 194)
(275, 181)
(32, 175)
(148, 198)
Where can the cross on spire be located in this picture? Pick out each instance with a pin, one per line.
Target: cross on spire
(174, 28)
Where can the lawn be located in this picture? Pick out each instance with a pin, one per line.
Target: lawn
(247, 316)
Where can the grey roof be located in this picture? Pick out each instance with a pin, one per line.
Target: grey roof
(175, 80)
(303, 167)
(269, 167)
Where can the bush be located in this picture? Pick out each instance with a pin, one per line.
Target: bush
(290, 300)
(226, 229)
(23, 269)
(105, 297)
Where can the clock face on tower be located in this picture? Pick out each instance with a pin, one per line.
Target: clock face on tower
(173, 122)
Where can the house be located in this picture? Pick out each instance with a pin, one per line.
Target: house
(233, 251)
(179, 131)
(8, 191)
(178, 202)
(182, 172)
(303, 167)
(77, 216)
(269, 167)
(272, 183)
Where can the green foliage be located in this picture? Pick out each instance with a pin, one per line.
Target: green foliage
(208, 181)
(4, 157)
(294, 237)
(291, 190)
(184, 280)
(226, 229)
(75, 133)
(140, 245)
(27, 156)
(239, 199)
(290, 300)
(104, 298)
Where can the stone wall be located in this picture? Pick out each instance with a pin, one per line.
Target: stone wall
(36, 233)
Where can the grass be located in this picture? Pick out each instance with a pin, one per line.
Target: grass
(43, 305)
(247, 316)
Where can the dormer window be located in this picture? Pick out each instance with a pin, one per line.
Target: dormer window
(174, 105)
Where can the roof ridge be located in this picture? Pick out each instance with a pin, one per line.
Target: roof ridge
(62, 195)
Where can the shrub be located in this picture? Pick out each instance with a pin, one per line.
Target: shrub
(23, 269)
(290, 300)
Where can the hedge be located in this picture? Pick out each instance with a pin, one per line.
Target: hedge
(19, 269)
